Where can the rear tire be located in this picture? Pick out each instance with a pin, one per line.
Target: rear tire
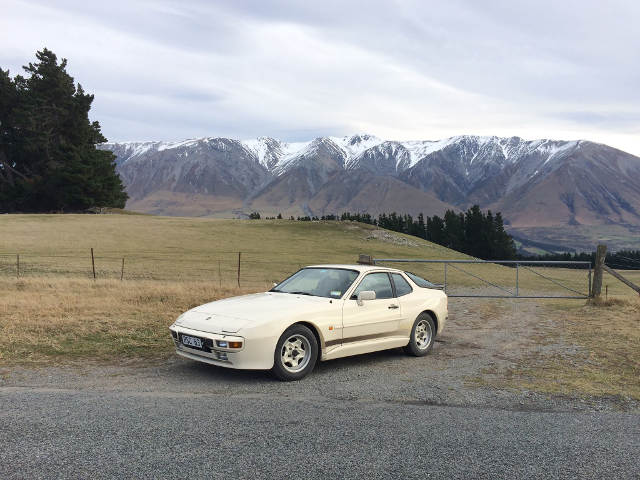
(423, 334)
(296, 354)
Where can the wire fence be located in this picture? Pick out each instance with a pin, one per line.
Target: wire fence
(246, 269)
(260, 269)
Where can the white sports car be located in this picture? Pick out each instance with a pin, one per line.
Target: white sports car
(321, 312)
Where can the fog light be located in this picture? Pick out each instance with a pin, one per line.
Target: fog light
(222, 356)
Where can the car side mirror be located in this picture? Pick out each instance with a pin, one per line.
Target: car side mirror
(366, 295)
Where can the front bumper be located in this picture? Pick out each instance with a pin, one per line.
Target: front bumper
(251, 356)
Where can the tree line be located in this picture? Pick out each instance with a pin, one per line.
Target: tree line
(48, 155)
(620, 260)
(476, 233)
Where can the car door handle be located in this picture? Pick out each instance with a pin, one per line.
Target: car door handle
(393, 306)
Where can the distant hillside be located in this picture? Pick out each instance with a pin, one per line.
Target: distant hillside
(539, 186)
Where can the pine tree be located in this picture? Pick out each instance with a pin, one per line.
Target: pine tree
(422, 228)
(473, 225)
(435, 230)
(48, 155)
(453, 230)
(505, 246)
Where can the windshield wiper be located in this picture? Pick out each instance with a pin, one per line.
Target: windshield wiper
(302, 293)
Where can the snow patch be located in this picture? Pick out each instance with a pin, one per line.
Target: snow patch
(418, 149)
(354, 145)
(185, 143)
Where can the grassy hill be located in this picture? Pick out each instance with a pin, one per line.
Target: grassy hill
(205, 249)
(173, 248)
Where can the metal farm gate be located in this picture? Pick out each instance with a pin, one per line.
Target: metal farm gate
(517, 265)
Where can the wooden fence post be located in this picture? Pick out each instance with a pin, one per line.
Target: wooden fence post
(239, 255)
(365, 259)
(93, 264)
(601, 254)
(122, 270)
(219, 275)
(17, 265)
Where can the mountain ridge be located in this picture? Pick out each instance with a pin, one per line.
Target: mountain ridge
(534, 183)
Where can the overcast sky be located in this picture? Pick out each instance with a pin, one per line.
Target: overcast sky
(295, 70)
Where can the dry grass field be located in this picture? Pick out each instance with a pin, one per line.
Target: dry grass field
(584, 349)
(179, 249)
(170, 248)
(64, 320)
(55, 313)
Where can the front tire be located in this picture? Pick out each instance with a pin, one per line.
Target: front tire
(296, 353)
(423, 334)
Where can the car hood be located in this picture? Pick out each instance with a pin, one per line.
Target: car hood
(232, 314)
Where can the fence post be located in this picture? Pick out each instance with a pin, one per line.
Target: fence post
(365, 259)
(239, 255)
(601, 253)
(517, 279)
(219, 275)
(445, 277)
(122, 270)
(93, 264)
(17, 265)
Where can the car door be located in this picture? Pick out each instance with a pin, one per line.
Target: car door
(408, 303)
(374, 318)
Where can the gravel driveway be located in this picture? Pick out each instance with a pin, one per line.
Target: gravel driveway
(382, 415)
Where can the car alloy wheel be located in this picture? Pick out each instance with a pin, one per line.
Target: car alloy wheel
(295, 354)
(422, 335)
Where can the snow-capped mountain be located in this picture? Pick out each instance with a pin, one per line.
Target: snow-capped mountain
(535, 183)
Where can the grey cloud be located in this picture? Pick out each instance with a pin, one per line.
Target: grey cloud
(614, 120)
(296, 70)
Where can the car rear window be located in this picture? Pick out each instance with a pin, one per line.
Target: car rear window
(421, 282)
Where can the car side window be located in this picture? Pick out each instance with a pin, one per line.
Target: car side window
(378, 282)
(402, 286)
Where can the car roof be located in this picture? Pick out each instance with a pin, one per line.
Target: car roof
(358, 267)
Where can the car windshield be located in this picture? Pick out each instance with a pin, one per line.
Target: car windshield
(318, 282)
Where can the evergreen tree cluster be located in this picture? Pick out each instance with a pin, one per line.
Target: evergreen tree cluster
(620, 260)
(475, 233)
(48, 155)
(481, 235)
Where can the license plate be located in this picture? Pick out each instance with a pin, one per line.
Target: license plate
(191, 341)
